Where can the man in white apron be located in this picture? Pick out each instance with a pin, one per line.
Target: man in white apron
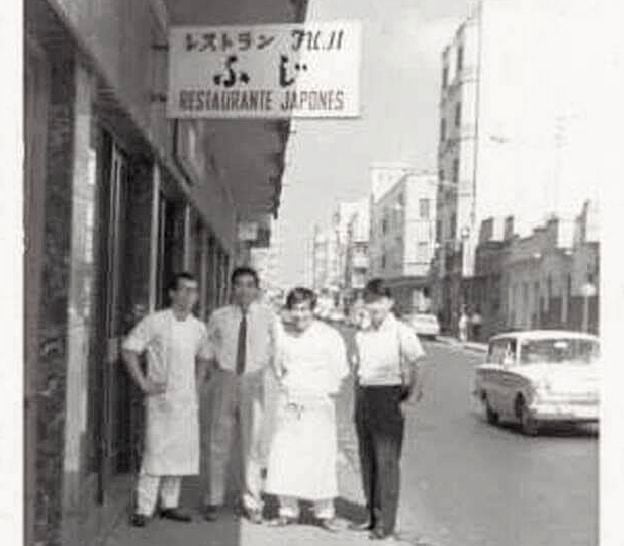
(243, 336)
(311, 364)
(178, 352)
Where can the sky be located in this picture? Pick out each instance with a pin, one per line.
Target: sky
(328, 161)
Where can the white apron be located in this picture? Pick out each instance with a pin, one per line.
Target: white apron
(303, 454)
(172, 433)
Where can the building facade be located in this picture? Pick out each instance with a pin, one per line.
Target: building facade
(500, 74)
(357, 258)
(402, 237)
(547, 280)
(117, 199)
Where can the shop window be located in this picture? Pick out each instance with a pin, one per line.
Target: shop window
(456, 170)
(460, 59)
(425, 206)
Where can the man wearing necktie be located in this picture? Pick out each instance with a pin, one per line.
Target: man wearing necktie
(243, 335)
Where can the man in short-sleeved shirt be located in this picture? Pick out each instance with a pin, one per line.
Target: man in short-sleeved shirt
(174, 341)
(387, 376)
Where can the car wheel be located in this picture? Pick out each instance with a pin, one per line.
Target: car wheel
(490, 415)
(528, 423)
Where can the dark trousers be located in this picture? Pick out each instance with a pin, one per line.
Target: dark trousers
(379, 427)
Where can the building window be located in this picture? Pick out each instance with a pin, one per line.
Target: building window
(442, 130)
(441, 175)
(425, 206)
(445, 71)
(401, 199)
(453, 225)
(422, 255)
(384, 226)
(460, 59)
(456, 170)
(458, 113)
(438, 231)
(383, 261)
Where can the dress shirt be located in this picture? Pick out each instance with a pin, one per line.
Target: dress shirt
(223, 329)
(382, 351)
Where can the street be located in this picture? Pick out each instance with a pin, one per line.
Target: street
(467, 483)
(464, 483)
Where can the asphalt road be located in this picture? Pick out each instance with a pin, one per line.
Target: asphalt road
(466, 483)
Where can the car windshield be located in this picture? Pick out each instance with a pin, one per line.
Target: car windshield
(577, 351)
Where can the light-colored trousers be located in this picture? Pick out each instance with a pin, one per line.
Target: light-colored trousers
(147, 492)
(289, 507)
(233, 413)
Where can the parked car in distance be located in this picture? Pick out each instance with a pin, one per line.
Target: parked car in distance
(540, 376)
(424, 324)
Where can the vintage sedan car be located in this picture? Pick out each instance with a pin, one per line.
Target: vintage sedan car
(540, 376)
(424, 324)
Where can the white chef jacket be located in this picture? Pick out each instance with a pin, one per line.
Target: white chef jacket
(303, 454)
(172, 346)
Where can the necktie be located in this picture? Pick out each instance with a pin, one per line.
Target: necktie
(241, 353)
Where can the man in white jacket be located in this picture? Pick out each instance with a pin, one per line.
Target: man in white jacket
(311, 365)
(178, 354)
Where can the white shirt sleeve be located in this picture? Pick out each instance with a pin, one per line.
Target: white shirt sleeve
(411, 348)
(140, 336)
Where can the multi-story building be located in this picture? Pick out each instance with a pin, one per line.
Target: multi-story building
(402, 237)
(384, 175)
(512, 119)
(117, 198)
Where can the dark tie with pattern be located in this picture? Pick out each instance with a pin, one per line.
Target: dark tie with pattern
(241, 353)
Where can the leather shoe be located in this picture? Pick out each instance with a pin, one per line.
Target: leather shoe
(330, 524)
(138, 520)
(175, 514)
(255, 516)
(387, 538)
(211, 513)
(368, 525)
(282, 521)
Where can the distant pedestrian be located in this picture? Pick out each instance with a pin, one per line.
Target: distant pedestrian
(463, 326)
(387, 377)
(244, 336)
(311, 365)
(475, 324)
(174, 341)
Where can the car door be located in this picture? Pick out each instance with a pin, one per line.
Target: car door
(489, 375)
(501, 362)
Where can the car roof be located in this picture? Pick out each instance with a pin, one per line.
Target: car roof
(544, 334)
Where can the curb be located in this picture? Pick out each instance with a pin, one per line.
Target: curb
(470, 346)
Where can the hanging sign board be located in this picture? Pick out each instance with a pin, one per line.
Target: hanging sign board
(308, 70)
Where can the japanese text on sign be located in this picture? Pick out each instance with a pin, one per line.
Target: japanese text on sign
(265, 71)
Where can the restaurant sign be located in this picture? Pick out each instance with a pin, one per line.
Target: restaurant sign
(308, 70)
